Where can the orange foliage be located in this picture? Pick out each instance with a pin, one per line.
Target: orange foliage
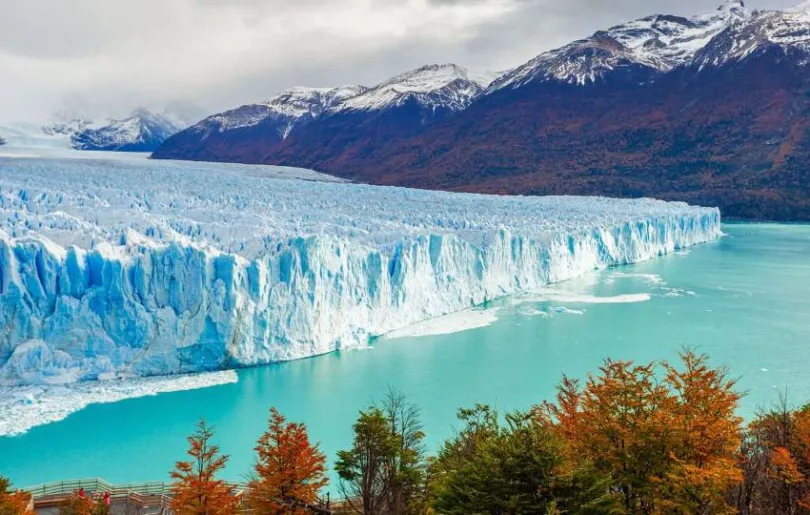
(778, 462)
(290, 470)
(669, 444)
(13, 503)
(196, 490)
(707, 433)
(80, 504)
(784, 466)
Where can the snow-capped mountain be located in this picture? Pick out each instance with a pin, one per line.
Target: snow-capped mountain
(708, 108)
(142, 131)
(656, 43)
(262, 125)
(390, 111)
(286, 110)
(787, 32)
(66, 126)
(436, 86)
(51, 135)
(254, 131)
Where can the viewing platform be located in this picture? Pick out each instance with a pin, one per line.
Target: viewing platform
(153, 498)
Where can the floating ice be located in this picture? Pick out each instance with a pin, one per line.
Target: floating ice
(552, 295)
(568, 311)
(114, 267)
(448, 324)
(23, 407)
(653, 279)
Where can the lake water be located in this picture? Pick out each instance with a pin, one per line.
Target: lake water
(744, 299)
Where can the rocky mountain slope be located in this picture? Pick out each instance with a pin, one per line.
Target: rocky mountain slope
(711, 109)
(344, 116)
(248, 133)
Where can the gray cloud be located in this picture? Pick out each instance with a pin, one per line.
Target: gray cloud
(111, 56)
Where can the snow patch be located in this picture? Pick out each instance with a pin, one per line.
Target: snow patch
(552, 295)
(448, 324)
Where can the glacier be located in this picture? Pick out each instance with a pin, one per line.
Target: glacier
(120, 267)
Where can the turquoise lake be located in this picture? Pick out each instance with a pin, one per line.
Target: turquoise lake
(744, 299)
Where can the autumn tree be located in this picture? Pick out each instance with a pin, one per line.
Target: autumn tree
(667, 437)
(11, 502)
(80, 504)
(196, 490)
(517, 467)
(707, 434)
(776, 463)
(365, 479)
(289, 469)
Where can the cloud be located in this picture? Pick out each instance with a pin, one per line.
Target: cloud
(112, 56)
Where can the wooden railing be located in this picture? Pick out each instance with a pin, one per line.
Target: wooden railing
(97, 485)
(153, 495)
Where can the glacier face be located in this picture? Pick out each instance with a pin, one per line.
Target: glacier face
(130, 267)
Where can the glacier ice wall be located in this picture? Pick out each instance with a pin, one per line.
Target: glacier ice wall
(133, 267)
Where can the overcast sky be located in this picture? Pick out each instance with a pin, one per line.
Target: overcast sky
(108, 56)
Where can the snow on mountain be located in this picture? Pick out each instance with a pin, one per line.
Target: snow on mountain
(66, 126)
(118, 267)
(445, 86)
(658, 43)
(435, 86)
(142, 131)
(349, 118)
(284, 111)
(788, 31)
(35, 135)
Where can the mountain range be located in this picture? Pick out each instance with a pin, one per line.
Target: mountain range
(334, 118)
(141, 131)
(711, 109)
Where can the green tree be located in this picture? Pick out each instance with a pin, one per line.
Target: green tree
(519, 467)
(365, 477)
(407, 466)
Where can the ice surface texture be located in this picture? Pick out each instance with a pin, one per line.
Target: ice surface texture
(112, 268)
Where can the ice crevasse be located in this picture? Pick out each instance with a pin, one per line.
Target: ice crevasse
(137, 268)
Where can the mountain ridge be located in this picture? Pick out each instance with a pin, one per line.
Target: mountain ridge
(141, 131)
(708, 108)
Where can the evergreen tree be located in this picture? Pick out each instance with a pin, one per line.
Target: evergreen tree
(407, 466)
(196, 491)
(364, 470)
(289, 470)
(517, 468)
